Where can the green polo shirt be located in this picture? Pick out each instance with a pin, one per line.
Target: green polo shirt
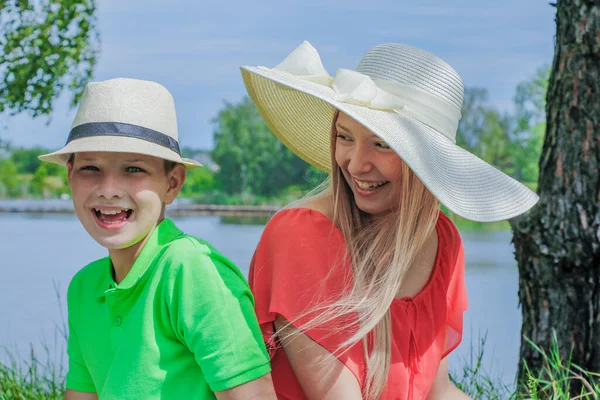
(181, 325)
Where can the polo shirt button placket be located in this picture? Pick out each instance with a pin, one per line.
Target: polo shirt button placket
(118, 321)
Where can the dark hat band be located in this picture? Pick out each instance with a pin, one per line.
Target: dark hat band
(124, 130)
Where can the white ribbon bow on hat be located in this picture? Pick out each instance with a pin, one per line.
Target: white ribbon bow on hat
(353, 87)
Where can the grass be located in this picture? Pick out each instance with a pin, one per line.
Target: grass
(33, 379)
(558, 379)
(475, 381)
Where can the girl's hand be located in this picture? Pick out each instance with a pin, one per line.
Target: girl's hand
(443, 388)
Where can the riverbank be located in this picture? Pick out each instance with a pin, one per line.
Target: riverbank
(236, 213)
(179, 208)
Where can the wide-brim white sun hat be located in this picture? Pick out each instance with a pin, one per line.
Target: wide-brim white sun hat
(126, 116)
(406, 96)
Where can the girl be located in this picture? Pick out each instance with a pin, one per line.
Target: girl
(360, 288)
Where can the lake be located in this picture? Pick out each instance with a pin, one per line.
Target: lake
(43, 251)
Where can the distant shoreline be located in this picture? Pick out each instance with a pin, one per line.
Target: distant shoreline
(66, 207)
(184, 207)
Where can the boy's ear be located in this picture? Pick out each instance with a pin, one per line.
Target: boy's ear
(69, 171)
(175, 178)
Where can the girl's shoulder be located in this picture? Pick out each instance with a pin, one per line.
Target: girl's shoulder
(307, 217)
(299, 224)
(297, 250)
(448, 234)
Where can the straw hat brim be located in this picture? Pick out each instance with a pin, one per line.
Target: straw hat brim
(300, 114)
(118, 144)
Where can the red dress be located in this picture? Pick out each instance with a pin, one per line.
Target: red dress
(299, 263)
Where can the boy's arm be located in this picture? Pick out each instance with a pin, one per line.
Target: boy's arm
(75, 395)
(261, 388)
(78, 380)
(212, 312)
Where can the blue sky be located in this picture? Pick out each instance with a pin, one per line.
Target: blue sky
(195, 48)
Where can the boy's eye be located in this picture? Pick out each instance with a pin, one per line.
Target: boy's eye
(382, 145)
(134, 169)
(343, 137)
(89, 168)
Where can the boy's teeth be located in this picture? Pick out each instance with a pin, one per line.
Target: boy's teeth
(111, 212)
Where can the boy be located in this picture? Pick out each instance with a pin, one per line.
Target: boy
(165, 316)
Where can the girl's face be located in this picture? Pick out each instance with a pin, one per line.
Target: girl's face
(371, 169)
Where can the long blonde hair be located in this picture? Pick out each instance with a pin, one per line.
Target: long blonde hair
(380, 252)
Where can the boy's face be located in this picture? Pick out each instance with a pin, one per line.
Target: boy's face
(119, 197)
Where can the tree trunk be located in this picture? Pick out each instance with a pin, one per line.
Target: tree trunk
(557, 245)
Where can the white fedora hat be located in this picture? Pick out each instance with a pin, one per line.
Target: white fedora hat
(124, 115)
(409, 98)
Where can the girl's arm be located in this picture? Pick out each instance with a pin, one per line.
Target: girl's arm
(442, 386)
(258, 389)
(75, 395)
(320, 374)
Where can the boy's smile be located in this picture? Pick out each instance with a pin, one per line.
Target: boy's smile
(112, 218)
(120, 197)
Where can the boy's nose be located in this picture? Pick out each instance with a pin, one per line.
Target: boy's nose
(109, 187)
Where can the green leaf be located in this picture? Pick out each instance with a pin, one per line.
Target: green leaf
(45, 47)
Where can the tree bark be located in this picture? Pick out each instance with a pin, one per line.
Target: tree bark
(557, 245)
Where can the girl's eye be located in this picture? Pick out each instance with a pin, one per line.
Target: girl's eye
(89, 168)
(343, 137)
(382, 145)
(134, 169)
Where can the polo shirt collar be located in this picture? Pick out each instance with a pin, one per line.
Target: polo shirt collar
(162, 235)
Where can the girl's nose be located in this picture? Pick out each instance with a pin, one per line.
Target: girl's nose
(360, 160)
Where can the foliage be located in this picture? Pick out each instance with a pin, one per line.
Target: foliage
(530, 123)
(530, 100)
(254, 161)
(198, 181)
(23, 174)
(250, 157)
(494, 145)
(512, 142)
(34, 379)
(45, 46)
(26, 160)
(38, 185)
(254, 167)
(556, 380)
(474, 380)
(473, 119)
(9, 180)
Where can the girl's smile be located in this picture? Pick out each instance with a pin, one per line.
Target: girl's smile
(371, 169)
